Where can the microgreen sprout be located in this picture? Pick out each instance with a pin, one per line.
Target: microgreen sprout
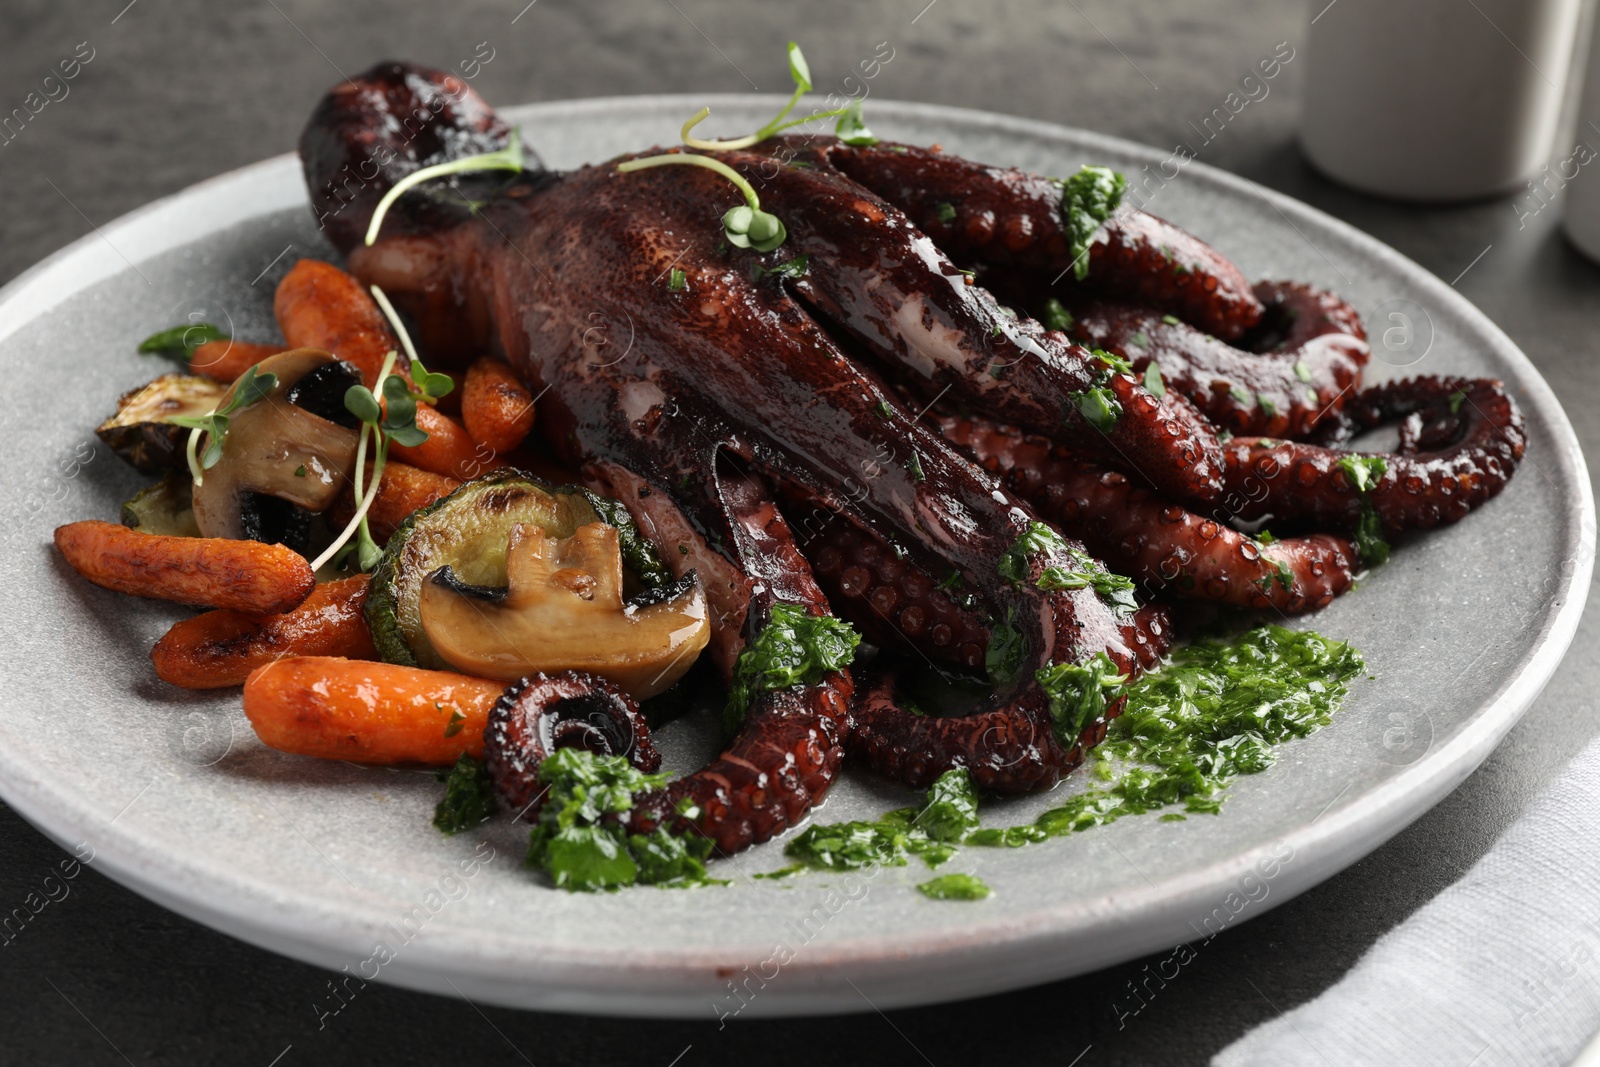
(391, 421)
(507, 158)
(745, 226)
(250, 388)
(851, 129)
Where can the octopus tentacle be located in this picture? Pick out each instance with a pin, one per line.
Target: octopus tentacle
(544, 712)
(1311, 367)
(1157, 543)
(993, 215)
(789, 747)
(1474, 440)
(915, 309)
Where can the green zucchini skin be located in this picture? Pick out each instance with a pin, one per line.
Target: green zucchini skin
(163, 508)
(468, 531)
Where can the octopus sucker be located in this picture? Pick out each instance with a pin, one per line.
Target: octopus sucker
(764, 415)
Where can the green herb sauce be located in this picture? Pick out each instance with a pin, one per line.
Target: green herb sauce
(955, 887)
(794, 648)
(1087, 199)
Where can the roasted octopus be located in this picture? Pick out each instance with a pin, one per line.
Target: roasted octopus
(870, 418)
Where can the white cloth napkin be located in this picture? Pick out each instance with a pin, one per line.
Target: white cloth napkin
(1503, 967)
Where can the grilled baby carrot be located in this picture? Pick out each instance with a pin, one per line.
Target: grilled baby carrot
(320, 306)
(368, 712)
(210, 572)
(403, 490)
(226, 360)
(449, 450)
(221, 648)
(496, 408)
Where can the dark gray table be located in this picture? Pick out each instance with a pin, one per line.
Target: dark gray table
(179, 90)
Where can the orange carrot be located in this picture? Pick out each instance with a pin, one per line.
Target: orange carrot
(320, 306)
(221, 648)
(226, 360)
(496, 408)
(211, 572)
(368, 712)
(449, 450)
(404, 489)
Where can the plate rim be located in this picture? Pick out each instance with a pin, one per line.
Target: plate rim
(978, 951)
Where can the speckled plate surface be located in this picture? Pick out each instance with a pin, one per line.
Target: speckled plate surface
(338, 864)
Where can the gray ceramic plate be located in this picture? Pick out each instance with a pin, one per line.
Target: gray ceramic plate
(338, 864)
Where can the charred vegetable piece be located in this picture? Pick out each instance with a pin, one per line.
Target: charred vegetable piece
(368, 712)
(281, 460)
(163, 508)
(140, 433)
(200, 571)
(221, 648)
(561, 609)
(468, 531)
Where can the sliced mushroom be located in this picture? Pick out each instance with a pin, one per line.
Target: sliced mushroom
(562, 609)
(140, 433)
(280, 460)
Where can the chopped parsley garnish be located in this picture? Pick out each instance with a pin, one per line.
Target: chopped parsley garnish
(1099, 407)
(1079, 694)
(300, 471)
(1363, 471)
(1140, 339)
(1003, 658)
(1172, 320)
(884, 409)
(453, 727)
(1056, 316)
(1264, 537)
(946, 211)
(914, 468)
(795, 647)
(1088, 199)
(676, 280)
(946, 815)
(1281, 574)
(1114, 589)
(582, 844)
(1114, 361)
(179, 342)
(954, 887)
(1153, 381)
(1370, 543)
(1242, 395)
(1038, 537)
(1302, 371)
(950, 581)
(792, 268)
(468, 797)
(1456, 399)
(1269, 407)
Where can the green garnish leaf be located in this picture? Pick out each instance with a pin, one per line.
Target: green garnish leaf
(1088, 199)
(468, 797)
(1090, 573)
(852, 126)
(1115, 362)
(1172, 320)
(453, 727)
(1242, 395)
(1099, 407)
(1140, 339)
(250, 388)
(179, 342)
(795, 647)
(1264, 537)
(799, 70)
(1056, 316)
(1004, 656)
(1038, 537)
(300, 471)
(1079, 694)
(1153, 382)
(951, 809)
(1302, 371)
(430, 386)
(1269, 407)
(914, 468)
(792, 268)
(1363, 471)
(1456, 399)
(947, 213)
(400, 417)
(676, 280)
(1370, 543)
(954, 887)
(884, 410)
(359, 401)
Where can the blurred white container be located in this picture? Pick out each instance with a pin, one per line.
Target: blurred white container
(1581, 170)
(1435, 99)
